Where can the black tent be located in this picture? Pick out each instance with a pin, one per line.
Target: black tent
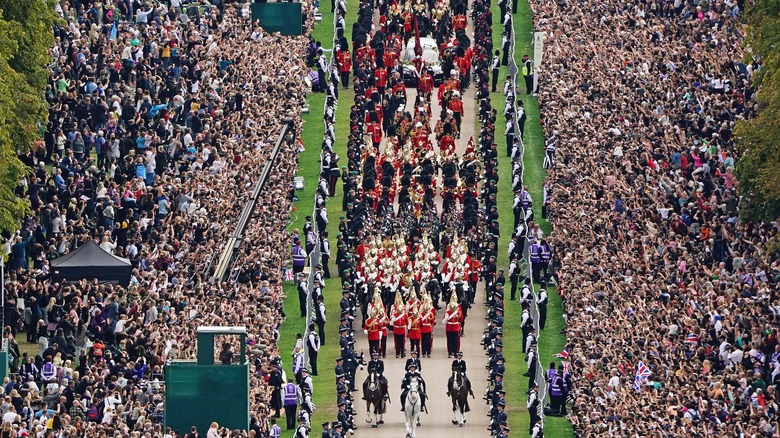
(89, 261)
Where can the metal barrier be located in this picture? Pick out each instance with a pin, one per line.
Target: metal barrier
(234, 242)
(539, 378)
(316, 256)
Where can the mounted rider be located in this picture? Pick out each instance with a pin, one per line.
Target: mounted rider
(411, 374)
(376, 365)
(459, 366)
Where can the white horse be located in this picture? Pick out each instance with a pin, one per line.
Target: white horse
(412, 407)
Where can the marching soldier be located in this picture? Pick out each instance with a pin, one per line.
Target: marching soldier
(414, 334)
(452, 320)
(399, 321)
(373, 329)
(427, 321)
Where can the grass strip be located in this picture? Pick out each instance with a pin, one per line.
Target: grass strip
(308, 168)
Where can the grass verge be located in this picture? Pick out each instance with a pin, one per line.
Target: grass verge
(308, 168)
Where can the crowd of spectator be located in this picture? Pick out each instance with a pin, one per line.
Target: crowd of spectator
(161, 118)
(640, 100)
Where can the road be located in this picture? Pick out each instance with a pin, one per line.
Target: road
(436, 370)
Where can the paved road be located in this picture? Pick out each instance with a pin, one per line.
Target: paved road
(436, 370)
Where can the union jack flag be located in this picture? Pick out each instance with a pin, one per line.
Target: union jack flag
(642, 372)
(288, 275)
(566, 367)
(563, 354)
(692, 338)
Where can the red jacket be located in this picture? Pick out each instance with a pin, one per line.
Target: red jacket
(427, 321)
(447, 144)
(425, 85)
(373, 327)
(344, 61)
(454, 318)
(380, 75)
(459, 22)
(399, 326)
(414, 329)
(456, 106)
(375, 131)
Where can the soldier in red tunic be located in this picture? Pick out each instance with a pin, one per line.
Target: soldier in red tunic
(425, 85)
(344, 61)
(456, 105)
(453, 316)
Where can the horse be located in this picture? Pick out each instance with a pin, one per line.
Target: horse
(374, 394)
(459, 389)
(412, 407)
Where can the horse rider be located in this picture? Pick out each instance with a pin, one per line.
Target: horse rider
(377, 366)
(410, 374)
(414, 360)
(459, 366)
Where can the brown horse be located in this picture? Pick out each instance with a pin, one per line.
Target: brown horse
(374, 394)
(459, 388)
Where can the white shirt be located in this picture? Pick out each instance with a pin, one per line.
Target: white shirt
(9, 417)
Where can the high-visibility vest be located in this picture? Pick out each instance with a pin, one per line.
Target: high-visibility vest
(290, 394)
(528, 68)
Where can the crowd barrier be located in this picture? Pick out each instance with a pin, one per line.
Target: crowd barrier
(222, 271)
(316, 256)
(539, 378)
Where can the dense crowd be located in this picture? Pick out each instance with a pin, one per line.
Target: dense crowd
(639, 102)
(160, 122)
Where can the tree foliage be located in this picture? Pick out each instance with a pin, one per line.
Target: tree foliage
(26, 35)
(758, 170)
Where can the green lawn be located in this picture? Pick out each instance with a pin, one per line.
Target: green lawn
(308, 167)
(551, 341)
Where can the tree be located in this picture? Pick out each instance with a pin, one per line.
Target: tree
(758, 138)
(26, 35)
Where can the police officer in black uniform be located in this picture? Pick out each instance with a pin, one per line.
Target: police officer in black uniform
(303, 293)
(498, 417)
(411, 373)
(303, 429)
(378, 366)
(275, 381)
(458, 364)
(533, 407)
(414, 360)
